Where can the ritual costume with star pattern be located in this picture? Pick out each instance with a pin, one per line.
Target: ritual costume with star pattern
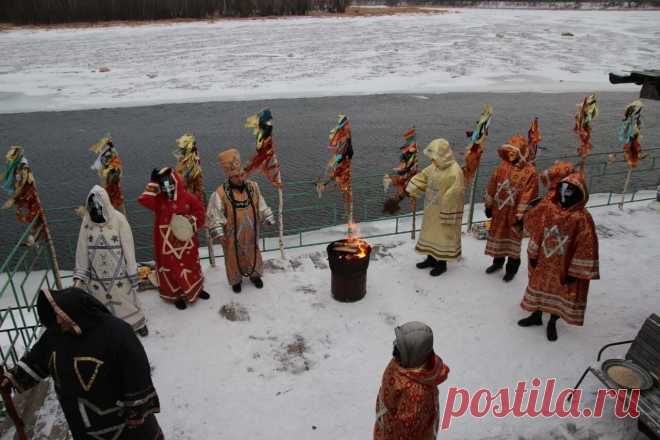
(510, 191)
(234, 214)
(564, 254)
(105, 259)
(177, 262)
(99, 369)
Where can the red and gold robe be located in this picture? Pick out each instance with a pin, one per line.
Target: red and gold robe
(238, 220)
(565, 248)
(407, 407)
(511, 189)
(177, 262)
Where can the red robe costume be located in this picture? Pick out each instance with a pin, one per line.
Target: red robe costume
(565, 248)
(177, 262)
(550, 179)
(407, 406)
(511, 189)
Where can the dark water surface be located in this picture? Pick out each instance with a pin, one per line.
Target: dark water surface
(57, 144)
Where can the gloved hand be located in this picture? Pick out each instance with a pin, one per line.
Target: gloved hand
(489, 213)
(155, 176)
(533, 262)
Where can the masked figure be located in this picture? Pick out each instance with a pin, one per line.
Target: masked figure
(550, 179)
(511, 189)
(178, 216)
(442, 182)
(563, 253)
(99, 368)
(234, 215)
(407, 407)
(105, 260)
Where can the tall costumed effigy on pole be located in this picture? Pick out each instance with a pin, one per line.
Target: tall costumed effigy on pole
(474, 151)
(338, 168)
(19, 182)
(189, 167)
(630, 136)
(587, 111)
(110, 168)
(265, 160)
(534, 138)
(407, 168)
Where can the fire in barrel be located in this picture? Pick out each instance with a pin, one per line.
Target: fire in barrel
(349, 261)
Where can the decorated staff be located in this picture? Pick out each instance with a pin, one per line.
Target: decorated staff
(266, 161)
(534, 138)
(629, 135)
(587, 111)
(338, 169)
(19, 182)
(473, 156)
(109, 166)
(407, 168)
(189, 167)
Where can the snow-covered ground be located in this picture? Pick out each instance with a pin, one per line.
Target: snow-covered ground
(303, 366)
(462, 50)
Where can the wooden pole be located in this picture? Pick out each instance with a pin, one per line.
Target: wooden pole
(414, 218)
(350, 212)
(280, 220)
(49, 240)
(11, 409)
(625, 188)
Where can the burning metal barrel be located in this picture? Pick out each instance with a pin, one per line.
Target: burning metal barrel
(349, 261)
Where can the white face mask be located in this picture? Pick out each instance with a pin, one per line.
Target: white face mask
(566, 191)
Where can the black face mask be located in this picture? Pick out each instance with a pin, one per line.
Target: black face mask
(168, 186)
(239, 187)
(569, 195)
(95, 209)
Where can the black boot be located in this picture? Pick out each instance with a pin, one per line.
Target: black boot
(204, 295)
(439, 269)
(143, 331)
(429, 262)
(512, 266)
(258, 283)
(533, 319)
(236, 288)
(180, 303)
(498, 263)
(552, 328)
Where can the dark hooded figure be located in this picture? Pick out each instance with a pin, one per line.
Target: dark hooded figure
(407, 406)
(99, 368)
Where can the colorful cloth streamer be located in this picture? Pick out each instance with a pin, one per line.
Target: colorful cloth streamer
(630, 133)
(266, 158)
(587, 111)
(339, 166)
(18, 181)
(189, 165)
(476, 146)
(109, 166)
(534, 138)
(408, 164)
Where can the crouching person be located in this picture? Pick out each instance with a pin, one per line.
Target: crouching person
(99, 368)
(407, 405)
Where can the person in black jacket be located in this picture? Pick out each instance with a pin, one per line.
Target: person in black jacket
(99, 368)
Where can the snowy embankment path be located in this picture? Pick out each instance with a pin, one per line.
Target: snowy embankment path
(307, 367)
(458, 51)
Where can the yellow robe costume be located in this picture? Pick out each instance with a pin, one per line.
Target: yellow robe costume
(442, 182)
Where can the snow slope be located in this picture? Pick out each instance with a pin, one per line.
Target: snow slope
(306, 367)
(462, 50)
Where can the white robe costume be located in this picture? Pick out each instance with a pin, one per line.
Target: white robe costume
(105, 262)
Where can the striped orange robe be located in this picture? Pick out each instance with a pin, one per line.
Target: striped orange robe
(565, 245)
(407, 407)
(509, 193)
